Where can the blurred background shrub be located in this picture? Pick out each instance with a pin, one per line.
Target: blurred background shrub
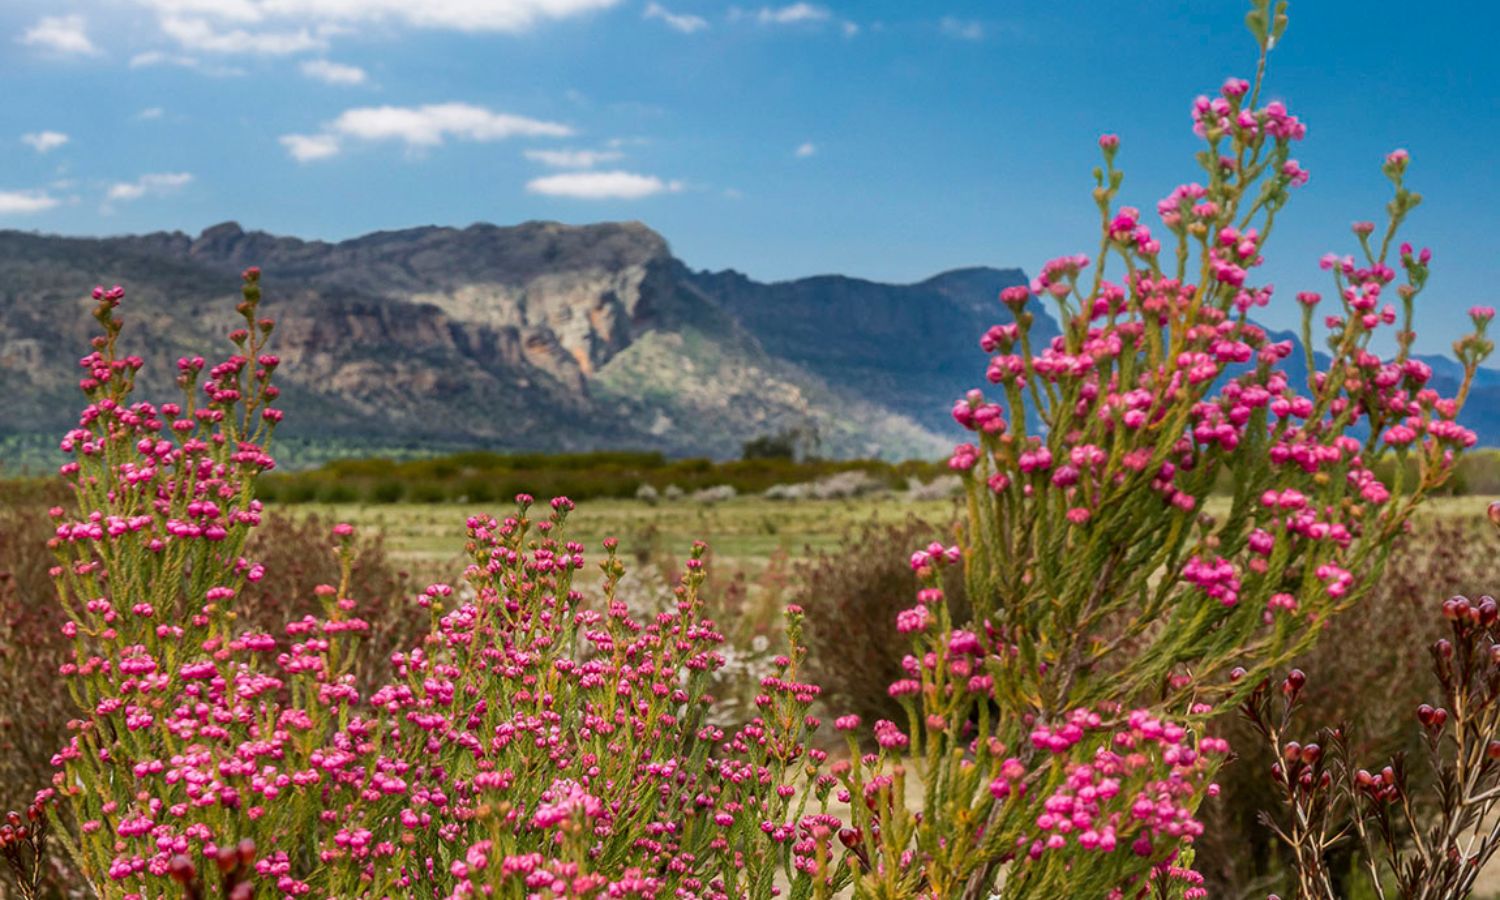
(1370, 669)
(852, 595)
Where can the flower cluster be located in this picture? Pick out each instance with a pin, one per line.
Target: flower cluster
(23, 844)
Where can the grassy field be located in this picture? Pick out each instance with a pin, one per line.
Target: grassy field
(745, 531)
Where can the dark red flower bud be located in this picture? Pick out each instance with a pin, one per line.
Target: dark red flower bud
(182, 870)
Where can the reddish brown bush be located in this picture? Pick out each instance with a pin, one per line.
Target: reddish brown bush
(1369, 669)
(298, 553)
(852, 595)
(34, 705)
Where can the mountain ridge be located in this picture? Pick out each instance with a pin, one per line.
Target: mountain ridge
(535, 336)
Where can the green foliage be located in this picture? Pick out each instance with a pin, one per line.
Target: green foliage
(479, 477)
(790, 444)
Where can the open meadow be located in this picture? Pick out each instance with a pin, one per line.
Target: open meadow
(744, 532)
(741, 532)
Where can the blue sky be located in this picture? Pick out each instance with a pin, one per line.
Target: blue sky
(889, 140)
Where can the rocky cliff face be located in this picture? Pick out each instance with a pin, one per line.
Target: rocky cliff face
(538, 336)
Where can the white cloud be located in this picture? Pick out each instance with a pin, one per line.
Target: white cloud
(850, 28)
(150, 113)
(963, 29)
(44, 141)
(418, 127)
(232, 10)
(457, 15)
(61, 34)
(309, 147)
(152, 185)
(805, 150)
(602, 185)
(25, 202)
(791, 15)
(201, 36)
(573, 159)
(330, 72)
(683, 22)
(158, 58)
(430, 125)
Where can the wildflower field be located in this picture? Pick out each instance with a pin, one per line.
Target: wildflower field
(1191, 625)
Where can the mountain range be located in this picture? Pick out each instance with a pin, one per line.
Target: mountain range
(539, 336)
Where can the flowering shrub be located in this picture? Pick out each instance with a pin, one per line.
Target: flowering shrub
(37, 705)
(1415, 842)
(1106, 595)
(529, 745)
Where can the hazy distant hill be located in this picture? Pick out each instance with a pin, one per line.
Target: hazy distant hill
(539, 336)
